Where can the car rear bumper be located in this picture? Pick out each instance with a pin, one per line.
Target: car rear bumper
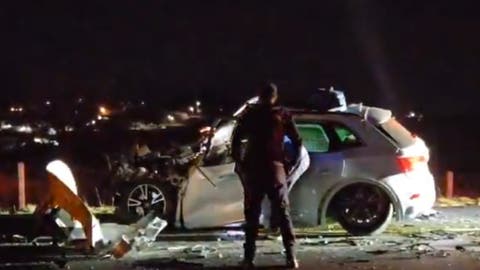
(415, 191)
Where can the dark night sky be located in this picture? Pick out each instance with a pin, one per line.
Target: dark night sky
(400, 54)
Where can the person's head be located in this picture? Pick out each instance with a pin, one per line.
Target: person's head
(268, 93)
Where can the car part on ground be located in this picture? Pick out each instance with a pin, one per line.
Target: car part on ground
(62, 194)
(139, 234)
(70, 231)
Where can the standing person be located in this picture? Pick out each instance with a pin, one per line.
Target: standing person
(262, 168)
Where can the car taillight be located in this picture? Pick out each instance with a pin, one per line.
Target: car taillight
(408, 164)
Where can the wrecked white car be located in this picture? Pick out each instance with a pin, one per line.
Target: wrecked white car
(360, 165)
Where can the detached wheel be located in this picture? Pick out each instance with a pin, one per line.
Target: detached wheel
(137, 199)
(363, 209)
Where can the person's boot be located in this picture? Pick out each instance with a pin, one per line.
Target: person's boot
(292, 263)
(247, 264)
(291, 260)
(248, 257)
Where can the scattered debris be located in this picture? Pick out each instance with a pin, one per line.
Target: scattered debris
(421, 248)
(43, 241)
(232, 235)
(429, 215)
(62, 193)
(177, 248)
(440, 254)
(140, 234)
(362, 242)
(378, 252)
(199, 252)
(323, 242)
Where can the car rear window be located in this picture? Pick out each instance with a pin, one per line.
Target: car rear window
(397, 133)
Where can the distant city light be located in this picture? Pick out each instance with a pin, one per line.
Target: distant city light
(69, 129)
(16, 109)
(170, 118)
(91, 123)
(414, 115)
(191, 109)
(41, 140)
(80, 100)
(51, 132)
(411, 114)
(198, 103)
(142, 103)
(101, 117)
(103, 110)
(48, 103)
(4, 126)
(24, 129)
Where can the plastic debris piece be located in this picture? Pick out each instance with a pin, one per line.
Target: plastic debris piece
(441, 254)
(43, 241)
(140, 235)
(378, 252)
(199, 252)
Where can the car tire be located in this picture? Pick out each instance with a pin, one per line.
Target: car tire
(133, 204)
(363, 209)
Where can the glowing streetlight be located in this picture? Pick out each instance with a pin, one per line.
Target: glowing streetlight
(170, 118)
(191, 109)
(103, 110)
(198, 103)
(16, 109)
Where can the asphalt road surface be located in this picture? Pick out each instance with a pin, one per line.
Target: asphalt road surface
(448, 240)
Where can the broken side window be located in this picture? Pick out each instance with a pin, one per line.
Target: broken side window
(314, 137)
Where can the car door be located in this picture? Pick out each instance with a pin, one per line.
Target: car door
(326, 168)
(324, 160)
(214, 195)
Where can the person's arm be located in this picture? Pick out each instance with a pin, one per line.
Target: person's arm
(237, 136)
(292, 133)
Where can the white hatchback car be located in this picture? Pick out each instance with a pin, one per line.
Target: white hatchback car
(363, 168)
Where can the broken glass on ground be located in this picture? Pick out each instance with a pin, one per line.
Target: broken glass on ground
(139, 235)
(199, 252)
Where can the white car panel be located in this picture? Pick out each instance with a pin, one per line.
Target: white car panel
(206, 205)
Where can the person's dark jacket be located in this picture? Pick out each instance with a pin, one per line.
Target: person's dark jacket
(264, 127)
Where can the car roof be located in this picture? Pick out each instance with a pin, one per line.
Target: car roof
(374, 115)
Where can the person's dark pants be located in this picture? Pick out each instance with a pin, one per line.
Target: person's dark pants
(256, 186)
